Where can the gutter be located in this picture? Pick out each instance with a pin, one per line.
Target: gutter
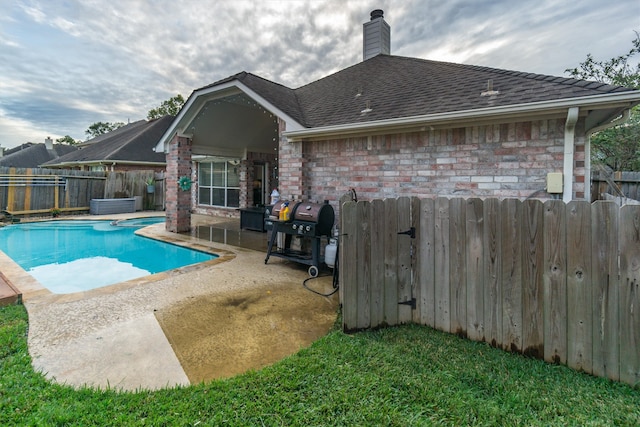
(102, 162)
(569, 142)
(621, 99)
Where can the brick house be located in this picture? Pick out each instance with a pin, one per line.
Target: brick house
(388, 126)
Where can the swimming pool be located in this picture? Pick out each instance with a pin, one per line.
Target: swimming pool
(78, 255)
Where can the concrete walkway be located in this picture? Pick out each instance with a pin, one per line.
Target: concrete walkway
(110, 338)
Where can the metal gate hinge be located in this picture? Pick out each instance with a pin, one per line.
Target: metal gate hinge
(411, 302)
(410, 232)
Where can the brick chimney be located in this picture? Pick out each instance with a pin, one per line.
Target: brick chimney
(376, 36)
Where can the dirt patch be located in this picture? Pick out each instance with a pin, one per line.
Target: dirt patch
(221, 335)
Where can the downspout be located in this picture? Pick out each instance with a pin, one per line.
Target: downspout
(587, 150)
(569, 142)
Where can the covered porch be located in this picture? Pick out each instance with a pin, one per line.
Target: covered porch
(222, 155)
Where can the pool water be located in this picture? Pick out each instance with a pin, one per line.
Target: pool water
(73, 256)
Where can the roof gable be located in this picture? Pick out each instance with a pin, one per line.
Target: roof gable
(281, 96)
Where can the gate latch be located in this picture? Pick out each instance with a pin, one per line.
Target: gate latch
(410, 232)
(411, 302)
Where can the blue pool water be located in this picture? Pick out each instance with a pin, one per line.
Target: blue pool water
(72, 256)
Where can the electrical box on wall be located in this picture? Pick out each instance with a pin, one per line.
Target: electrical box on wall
(554, 182)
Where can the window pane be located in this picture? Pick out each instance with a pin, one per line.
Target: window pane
(233, 175)
(218, 197)
(204, 196)
(218, 174)
(233, 198)
(204, 176)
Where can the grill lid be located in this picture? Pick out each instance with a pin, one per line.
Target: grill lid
(319, 213)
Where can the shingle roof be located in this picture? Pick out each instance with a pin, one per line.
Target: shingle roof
(396, 86)
(130, 143)
(280, 96)
(34, 155)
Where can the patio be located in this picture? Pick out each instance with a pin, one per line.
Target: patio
(161, 330)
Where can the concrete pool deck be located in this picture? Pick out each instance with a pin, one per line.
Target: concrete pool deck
(110, 337)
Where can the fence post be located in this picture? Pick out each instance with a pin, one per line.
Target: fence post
(511, 274)
(579, 305)
(492, 299)
(475, 247)
(441, 245)
(363, 265)
(376, 219)
(630, 294)
(532, 278)
(605, 226)
(347, 270)
(555, 282)
(390, 252)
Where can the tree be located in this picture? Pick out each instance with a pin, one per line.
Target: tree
(99, 128)
(68, 140)
(616, 71)
(617, 148)
(170, 107)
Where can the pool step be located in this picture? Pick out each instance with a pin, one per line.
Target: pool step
(8, 293)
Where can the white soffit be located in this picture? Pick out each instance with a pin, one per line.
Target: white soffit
(198, 100)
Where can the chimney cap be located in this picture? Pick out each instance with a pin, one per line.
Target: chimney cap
(377, 13)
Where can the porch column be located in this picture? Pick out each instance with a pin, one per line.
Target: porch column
(290, 166)
(178, 203)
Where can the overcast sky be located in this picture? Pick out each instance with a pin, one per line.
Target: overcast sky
(67, 64)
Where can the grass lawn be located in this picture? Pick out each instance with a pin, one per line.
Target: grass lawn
(403, 376)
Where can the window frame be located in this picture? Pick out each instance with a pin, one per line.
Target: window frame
(225, 187)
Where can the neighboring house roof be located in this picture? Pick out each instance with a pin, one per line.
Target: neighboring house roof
(18, 148)
(122, 129)
(33, 155)
(389, 89)
(130, 144)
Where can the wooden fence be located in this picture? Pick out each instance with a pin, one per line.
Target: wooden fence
(36, 191)
(544, 279)
(26, 191)
(618, 184)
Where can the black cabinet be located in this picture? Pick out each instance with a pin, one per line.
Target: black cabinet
(252, 219)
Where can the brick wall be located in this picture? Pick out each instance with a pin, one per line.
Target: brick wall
(502, 160)
(178, 202)
(291, 166)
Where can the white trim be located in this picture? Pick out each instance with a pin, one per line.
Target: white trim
(199, 94)
(569, 142)
(587, 151)
(622, 100)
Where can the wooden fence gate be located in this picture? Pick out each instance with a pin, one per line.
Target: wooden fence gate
(544, 279)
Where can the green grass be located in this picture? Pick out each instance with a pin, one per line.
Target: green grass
(403, 376)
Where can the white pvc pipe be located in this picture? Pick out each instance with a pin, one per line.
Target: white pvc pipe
(569, 142)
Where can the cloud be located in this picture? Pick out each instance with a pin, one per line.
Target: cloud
(65, 65)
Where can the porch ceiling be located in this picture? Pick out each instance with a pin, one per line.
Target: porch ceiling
(232, 125)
